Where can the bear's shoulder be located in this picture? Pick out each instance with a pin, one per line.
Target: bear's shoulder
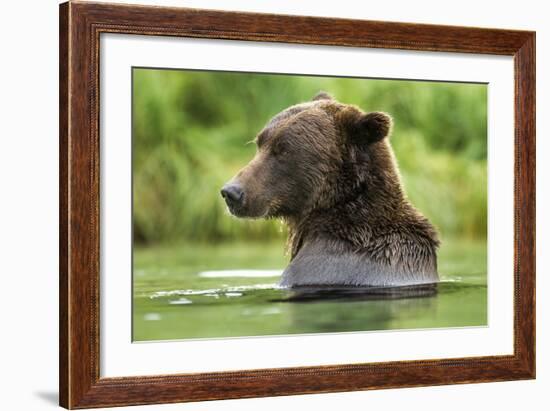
(330, 262)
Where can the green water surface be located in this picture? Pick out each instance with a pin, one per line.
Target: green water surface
(200, 291)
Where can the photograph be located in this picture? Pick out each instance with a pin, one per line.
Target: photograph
(268, 204)
(260, 205)
(275, 205)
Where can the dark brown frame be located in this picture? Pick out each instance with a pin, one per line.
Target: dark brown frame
(80, 27)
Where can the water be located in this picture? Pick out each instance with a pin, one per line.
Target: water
(183, 292)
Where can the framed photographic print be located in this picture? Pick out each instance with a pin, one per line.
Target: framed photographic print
(258, 205)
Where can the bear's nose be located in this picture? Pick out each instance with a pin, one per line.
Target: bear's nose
(232, 193)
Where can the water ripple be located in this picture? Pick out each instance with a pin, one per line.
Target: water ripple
(215, 291)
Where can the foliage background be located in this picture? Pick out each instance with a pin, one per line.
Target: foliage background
(191, 129)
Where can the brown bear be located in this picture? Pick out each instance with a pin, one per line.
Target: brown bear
(328, 171)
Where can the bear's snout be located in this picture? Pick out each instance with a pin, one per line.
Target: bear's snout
(233, 195)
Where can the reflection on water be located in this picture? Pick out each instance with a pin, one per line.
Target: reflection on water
(259, 308)
(240, 273)
(358, 293)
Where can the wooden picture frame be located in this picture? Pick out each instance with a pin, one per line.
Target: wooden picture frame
(80, 27)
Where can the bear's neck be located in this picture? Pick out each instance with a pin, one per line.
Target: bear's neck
(365, 196)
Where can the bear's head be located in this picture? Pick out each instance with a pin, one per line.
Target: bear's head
(311, 155)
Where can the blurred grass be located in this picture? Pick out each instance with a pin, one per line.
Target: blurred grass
(190, 134)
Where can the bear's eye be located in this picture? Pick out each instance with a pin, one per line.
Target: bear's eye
(280, 149)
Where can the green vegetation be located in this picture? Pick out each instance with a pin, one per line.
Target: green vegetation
(191, 131)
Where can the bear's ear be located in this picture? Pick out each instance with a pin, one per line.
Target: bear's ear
(322, 95)
(371, 127)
